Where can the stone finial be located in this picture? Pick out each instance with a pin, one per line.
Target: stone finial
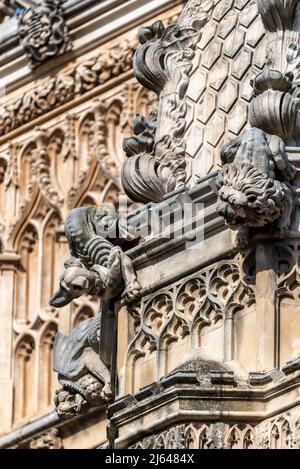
(163, 64)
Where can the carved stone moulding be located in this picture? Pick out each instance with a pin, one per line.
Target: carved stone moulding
(244, 427)
(54, 92)
(43, 32)
(278, 433)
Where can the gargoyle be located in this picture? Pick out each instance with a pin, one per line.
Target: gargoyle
(254, 185)
(98, 266)
(84, 377)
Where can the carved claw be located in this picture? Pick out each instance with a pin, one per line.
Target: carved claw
(106, 393)
(131, 291)
(242, 238)
(281, 231)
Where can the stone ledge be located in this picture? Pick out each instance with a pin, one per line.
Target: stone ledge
(184, 402)
(41, 424)
(291, 366)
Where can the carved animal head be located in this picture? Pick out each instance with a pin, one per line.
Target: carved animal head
(76, 395)
(248, 197)
(68, 404)
(75, 282)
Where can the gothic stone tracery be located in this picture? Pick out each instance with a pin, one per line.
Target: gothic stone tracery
(223, 317)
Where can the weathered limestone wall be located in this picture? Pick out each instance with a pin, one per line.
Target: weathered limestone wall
(197, 343)
(61, 131)
(210, 357)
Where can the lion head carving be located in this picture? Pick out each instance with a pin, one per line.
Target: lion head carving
(248, 197)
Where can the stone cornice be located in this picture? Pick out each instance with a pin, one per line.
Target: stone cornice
(185, 399)
(41, 424)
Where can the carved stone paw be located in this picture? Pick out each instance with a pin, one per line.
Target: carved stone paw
(106, 393)
(281, 230)
(131, 291)
(242, 238)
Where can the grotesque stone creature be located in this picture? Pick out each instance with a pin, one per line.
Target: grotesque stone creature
(254, 185)
(98, 266)
(84, 378)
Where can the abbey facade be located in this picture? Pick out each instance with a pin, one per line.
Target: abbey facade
(178, 333)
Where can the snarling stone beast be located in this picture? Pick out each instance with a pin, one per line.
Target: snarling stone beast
(254, 185)
(98, 265)
(84, 377)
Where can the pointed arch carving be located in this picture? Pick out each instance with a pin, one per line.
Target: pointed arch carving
(51, 258)
(47, 378)
(27, 277)
(248, 439)
(275, 437)
(24, 376)
(81, 314)
(26, 180)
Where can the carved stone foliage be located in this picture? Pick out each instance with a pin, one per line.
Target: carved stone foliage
(47, 440)
(53, 92)
(48, 94)
(143, 177)
(180, 317)
(43, 32)
(163, 64)
(281, 432)
(254, 184)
